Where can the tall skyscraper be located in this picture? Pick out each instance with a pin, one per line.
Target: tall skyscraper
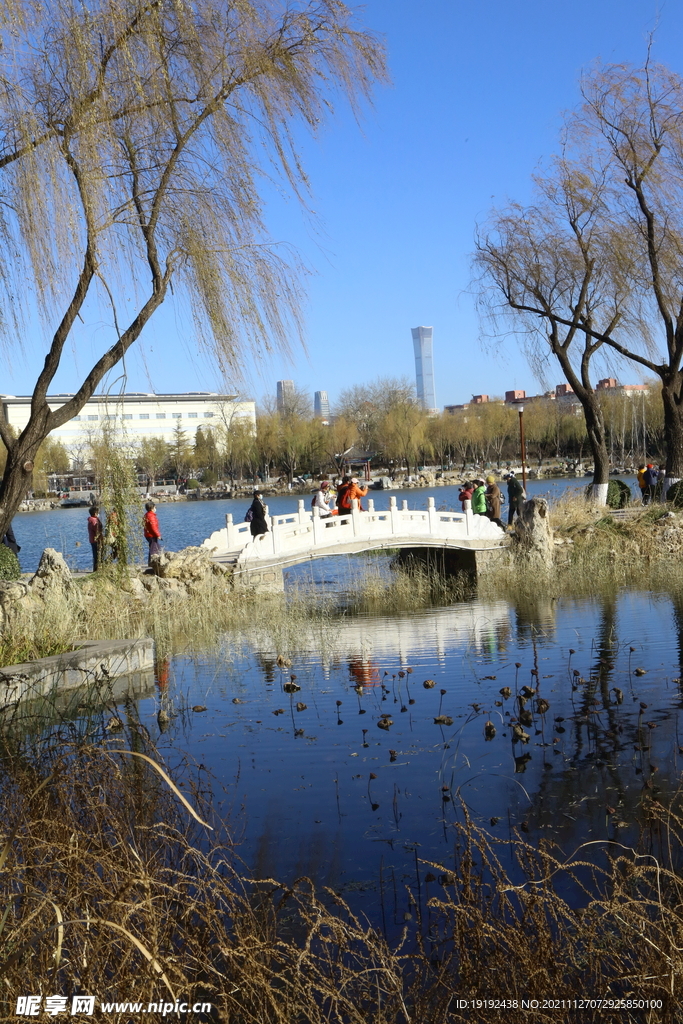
(424, 368)
(321, 405)
(285, 393)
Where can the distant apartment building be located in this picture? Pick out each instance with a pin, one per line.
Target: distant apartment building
(135, 415)
(424, 368)
(285, 395)
(514, 396)
(479, 399)
(321, 405)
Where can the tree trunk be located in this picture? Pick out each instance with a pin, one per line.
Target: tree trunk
(18, 473)
(595, 428)
(673, 430)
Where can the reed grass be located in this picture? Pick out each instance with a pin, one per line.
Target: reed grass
(191, 622)
(109, 885)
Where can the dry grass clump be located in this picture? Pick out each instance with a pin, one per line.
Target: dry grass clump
(380, 590)
(114, 883)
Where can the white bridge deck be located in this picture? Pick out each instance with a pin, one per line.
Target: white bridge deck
(299, 536)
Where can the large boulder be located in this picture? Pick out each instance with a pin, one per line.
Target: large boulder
(189, 565)
(52, 573)
(533, 537)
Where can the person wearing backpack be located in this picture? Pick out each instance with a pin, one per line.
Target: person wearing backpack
(650, 477)
(256, 516)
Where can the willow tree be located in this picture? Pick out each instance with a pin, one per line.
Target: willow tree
(134, 137)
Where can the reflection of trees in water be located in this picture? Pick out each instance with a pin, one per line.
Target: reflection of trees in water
(534, 615)
(677, 605)
(592, 785)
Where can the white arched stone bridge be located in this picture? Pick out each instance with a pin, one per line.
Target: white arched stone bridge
(301, 536)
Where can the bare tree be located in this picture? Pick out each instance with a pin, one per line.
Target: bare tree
(626, 144)
(133, 135)
(541, 263)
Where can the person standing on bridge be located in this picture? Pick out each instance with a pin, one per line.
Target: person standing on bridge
(355, 491)
(479, 498)
(343, 508)
(494, 499)
(256, 516)
(321, 500)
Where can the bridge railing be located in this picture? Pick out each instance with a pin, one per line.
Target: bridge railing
(303, 529)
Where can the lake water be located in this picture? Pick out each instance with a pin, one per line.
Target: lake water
(188, 523)
(324, 791)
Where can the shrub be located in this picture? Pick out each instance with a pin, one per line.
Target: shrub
(675, 494)
(9, 564)
(192, 484)
(618, 493)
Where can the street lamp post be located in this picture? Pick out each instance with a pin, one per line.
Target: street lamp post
(520, 409)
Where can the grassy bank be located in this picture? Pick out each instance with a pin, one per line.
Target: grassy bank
(116, 881)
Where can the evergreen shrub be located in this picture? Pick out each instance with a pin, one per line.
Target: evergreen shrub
(618, 493)
(9, 564)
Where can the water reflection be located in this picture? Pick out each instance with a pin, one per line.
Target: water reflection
(352, 749)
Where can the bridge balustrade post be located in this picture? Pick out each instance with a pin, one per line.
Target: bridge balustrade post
(275, 533)
(404, 505)
(469, 517)
(318, 527)
(228, 530)
(355, 516)
(371, 504)
(432, 517)
(394, 515)
(302, 512)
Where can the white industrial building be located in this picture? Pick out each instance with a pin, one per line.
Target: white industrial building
(136, 415)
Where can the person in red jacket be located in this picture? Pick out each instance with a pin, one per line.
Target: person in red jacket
(152, 533)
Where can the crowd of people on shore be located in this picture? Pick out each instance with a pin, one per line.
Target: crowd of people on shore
(650, 479)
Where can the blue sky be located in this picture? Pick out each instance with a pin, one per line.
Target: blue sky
(476, 102)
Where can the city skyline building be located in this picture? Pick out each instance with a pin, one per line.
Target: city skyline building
(285, 394)
(424, 368)
(321, 405)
